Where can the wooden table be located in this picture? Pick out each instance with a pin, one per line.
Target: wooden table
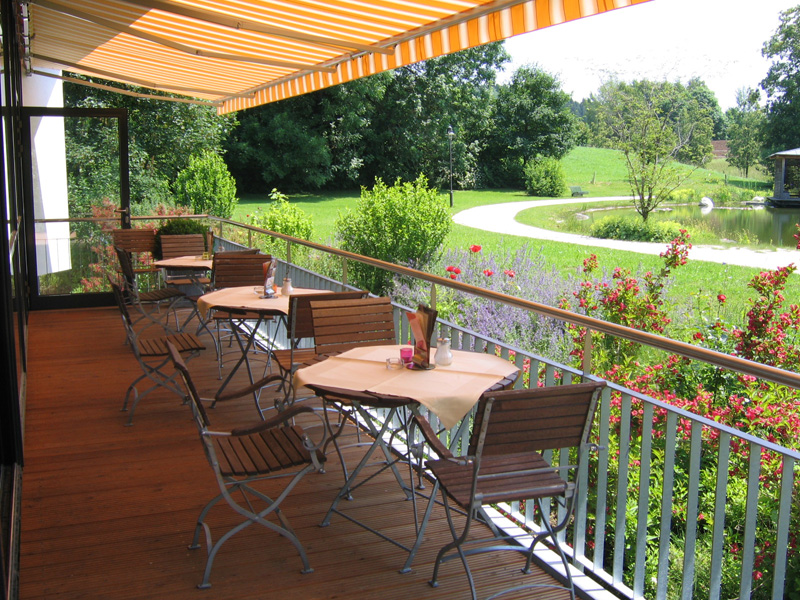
(449, 392)
(193, 271)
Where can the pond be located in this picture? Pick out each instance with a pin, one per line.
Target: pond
(749, 225)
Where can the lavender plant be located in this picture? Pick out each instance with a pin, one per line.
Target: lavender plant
(523, 273)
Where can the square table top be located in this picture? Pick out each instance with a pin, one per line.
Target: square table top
(244, 298)
(449, 391)
(185, 262)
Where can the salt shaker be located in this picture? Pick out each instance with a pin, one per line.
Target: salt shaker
(287, 289)
(443, 356)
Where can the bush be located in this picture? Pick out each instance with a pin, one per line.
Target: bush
(544, 176)
(281, 217)
(622, 228)
(207, 186)
(178, 227)
(405, 224)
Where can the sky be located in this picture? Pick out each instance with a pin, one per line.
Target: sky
(718, 41)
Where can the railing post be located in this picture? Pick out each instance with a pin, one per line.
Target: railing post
(344, 271)
(433, 296)
(587, 353)
(249, 238)
(288, 252)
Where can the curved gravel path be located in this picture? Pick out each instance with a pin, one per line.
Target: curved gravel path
(501, 218)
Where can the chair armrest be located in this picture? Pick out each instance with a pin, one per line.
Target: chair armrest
(276, 421)
(238, 393)
(432, 440)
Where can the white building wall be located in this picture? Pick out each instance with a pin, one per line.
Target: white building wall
(49, 174)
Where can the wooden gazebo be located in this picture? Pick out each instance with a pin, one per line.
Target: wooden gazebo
(787, 178)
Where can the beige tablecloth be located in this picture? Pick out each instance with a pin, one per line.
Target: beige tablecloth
(449, 392)
(245, 298)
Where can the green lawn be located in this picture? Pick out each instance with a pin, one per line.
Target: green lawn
(602, 173)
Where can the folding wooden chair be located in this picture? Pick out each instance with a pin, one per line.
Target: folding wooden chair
(149, 303)
(506, 462)
(189, 244)
(235, 269)
(152, 355)
(139, 244)
(244, 456)
(300, 327)
(340, 325)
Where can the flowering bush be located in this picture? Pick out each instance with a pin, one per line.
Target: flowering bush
(282, 217)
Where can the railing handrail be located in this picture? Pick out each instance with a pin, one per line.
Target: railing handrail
(713, 357)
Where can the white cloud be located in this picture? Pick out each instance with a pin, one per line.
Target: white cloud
(718, 41)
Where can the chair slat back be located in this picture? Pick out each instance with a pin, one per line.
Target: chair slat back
(198, 411)
(123, 308)
(301, 324)
(134, 240)
(534, 420)
(173, 246)
(234, 269)
(128, 274)
(340, 325)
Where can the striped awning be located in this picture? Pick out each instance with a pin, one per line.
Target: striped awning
(243, 53)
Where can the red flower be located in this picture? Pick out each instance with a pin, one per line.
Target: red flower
(453, 275)
(510, 273)
(450, 269)
(721, 298)
(698, 336)
(475, 248)
(488, 272)
(457, 271)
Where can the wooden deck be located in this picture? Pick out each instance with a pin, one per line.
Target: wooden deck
(108, 510)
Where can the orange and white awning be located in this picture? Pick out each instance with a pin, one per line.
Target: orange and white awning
(243, 53)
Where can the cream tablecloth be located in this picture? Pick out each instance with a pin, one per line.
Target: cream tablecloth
(245, 298)
(185, 262)
(450, 392)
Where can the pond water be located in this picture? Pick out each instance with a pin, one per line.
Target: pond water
(750, 225)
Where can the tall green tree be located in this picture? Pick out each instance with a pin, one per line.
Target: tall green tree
(782, 84)
(653, 123)
(532, 118)
(409, 133)
(745, 130)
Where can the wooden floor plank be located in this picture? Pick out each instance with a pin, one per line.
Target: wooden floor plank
(108, 511)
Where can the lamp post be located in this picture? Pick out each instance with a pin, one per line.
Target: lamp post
(450, 134)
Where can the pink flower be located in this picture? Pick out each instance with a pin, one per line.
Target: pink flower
(510, 273)
(488, 272)
(721, 298)
(475, 248)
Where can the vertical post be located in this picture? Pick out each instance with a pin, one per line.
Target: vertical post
(344, 271)
(587, 352)
(288, 253)
(450, 134)
(433, 296)
(249, 238)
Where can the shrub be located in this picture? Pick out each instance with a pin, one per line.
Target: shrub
(544, 176)
(622, 228)
(207, 186)
(404, 224)
(178, 227)
(281, 217)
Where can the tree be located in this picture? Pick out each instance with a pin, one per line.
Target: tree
(745, 128)
(782, 84)
(207, 186)
(532, 118)
(652, 123)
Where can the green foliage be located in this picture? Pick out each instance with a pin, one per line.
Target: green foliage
(404, 224)
(621, 228)
(532, 118)
(544, 176)
(178, 227)
(281, 216)
(745, 131)
(207, 186)
(654, 124)
(783, 94)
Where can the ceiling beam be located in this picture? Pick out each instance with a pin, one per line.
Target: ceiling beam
(156, 39)
(234, 23)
